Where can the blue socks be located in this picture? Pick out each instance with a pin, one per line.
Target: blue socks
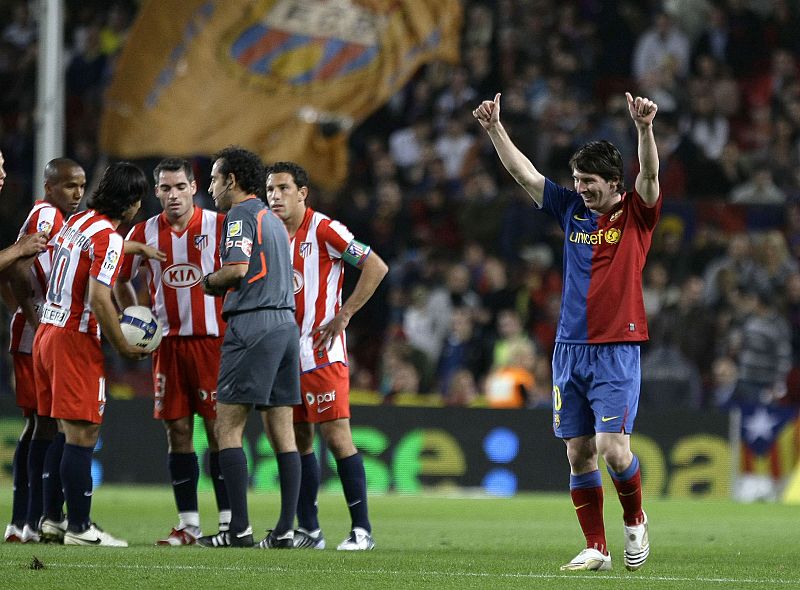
(76, 476)
(36, 454)
(354, 485)
(233, 466)
(289, 473)
(309, 488)
(52, 489)
(19, 506)
(184, 472)
(220, 493)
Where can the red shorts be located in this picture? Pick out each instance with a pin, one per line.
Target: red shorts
(185, 371)
(69, 371)
(325, 393)
(24, 383)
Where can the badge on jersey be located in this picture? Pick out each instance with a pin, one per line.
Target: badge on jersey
(235, 228)
(246, 245)
(305, 249)
(44, 226)
(110, 261)
(201, 241)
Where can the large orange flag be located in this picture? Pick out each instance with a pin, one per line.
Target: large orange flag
(284, 78)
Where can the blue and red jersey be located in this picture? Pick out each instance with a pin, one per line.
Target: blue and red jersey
(603, 260)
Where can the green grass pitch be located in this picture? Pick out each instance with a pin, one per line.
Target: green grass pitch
(431, 541)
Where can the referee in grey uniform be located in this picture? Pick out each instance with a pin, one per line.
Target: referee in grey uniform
(259, 364)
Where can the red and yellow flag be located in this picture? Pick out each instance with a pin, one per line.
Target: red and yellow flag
(284, 78)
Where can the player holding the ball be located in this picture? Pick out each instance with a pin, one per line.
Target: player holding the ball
(67, 358)
(186, 364)
(596, 370)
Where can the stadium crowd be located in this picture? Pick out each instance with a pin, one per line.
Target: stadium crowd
(468, 312)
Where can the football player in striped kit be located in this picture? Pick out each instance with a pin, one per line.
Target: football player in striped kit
(64, 183)
(320, 247)
(596, 367)
(68, 362)
(186, 364)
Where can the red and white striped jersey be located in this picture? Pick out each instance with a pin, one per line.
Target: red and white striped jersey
(176, 292)
(46, 218)
(87, 247)
(317, 249)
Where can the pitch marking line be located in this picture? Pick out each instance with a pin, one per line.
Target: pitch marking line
(281, 569)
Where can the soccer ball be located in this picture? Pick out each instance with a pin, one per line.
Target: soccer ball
(140, 327)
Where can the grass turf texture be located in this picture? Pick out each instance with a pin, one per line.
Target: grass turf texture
(432, 541)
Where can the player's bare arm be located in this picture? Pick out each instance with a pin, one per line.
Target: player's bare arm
(517, 164)
(130, 247)
(124, 293)
(229, 276)
(20, 285)
(643, 111)
(372, 273)
(106, 314)
(28, 245)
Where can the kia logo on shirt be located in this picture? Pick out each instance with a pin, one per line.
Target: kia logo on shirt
(182, 275)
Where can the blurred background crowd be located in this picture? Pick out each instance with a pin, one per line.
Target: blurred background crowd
(468, 313)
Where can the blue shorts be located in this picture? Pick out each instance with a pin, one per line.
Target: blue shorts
(595, 388)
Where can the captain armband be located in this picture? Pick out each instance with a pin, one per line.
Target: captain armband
(356, 253)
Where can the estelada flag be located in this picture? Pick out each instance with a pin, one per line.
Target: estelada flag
(285, 78)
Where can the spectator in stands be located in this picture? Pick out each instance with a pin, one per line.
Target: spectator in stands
(738, 261)
(663, 44)
(765, 355)
(760, 189)
(511, 382)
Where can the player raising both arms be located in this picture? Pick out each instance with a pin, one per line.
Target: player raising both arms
(320, 245)
(596, 370)
(186, 364)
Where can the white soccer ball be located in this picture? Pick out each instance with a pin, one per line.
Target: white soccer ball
(140, 327)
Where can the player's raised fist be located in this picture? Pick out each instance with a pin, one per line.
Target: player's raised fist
(488, 112)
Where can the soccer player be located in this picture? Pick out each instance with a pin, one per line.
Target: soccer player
(67, 357)
(320, 245)
(260, 349)
(186, 364)
(36, 460)
(596, 371)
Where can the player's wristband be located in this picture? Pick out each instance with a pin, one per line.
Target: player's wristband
(207, 284)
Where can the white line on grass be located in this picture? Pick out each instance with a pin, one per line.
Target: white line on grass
(282, 569)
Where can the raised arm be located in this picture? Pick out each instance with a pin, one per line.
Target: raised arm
(517, 164)
(643, 111)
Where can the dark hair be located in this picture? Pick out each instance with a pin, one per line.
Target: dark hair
(601, 158)
(58, 166)
(122, 185)
(246, 166)
(174, 165)
(296, 170)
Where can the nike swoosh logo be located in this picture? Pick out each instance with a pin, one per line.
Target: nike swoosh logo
(92, 542)
(608, 418)
(576, 217)
(320, 410)
(88, 494)
(356, 503)
(178, 482)
(582, 506)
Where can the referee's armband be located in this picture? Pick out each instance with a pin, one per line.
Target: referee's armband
(356, 253)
